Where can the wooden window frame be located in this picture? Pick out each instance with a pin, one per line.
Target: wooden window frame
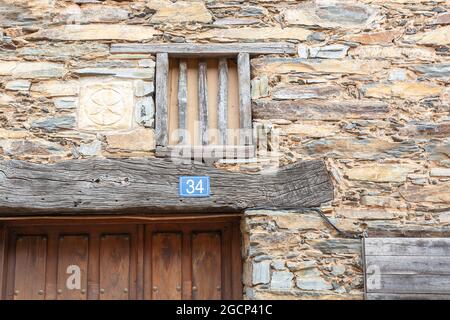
(245, 145)
(241, 51)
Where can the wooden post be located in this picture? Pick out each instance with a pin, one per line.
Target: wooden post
(162, 71)
(203, 101)
(186, 264)
(93, 286)
(182, 102)
(2, 259)
(222, 110)
(140, 276)
(236, 261)
(245, 116)
(51, 267)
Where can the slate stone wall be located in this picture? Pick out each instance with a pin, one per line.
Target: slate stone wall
(368, 92)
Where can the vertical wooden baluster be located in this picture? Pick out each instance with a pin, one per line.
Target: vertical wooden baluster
(182, 102)
(203, 101)
(161, 103)
(222, 112)
(246, 136)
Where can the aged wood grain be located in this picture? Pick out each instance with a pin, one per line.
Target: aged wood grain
(210, 152)
(167, 257)
(51, 266)
(203, 102)
(166, 266)
(226, 249)
(186, 263)
(406, 296)
(2, 259)
(210, 49)
(206, 266)
(182, 101)
(406, 283)
(161, 98)
(222, 108)
(93, 272)
(245, 102)
(236, 262)
(110, 186)
(140, 274)
(407, 268)
(408, 246)
(115, 265)
(72, 251)
(31, 255)
(410, 264)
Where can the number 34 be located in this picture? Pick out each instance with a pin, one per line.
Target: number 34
(192, 187)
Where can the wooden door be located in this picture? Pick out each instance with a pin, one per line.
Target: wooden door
(71, 263)
(2, 259)
(30, 266)
(158, 260)
(193, 261)
(72, 267)
(206, 266)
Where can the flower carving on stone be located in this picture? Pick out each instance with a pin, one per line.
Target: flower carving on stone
(106, 106)
(109, 106)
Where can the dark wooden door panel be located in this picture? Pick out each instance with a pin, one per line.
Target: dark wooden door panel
(29, 280)
(72, 267)
(114, 267)
(206, 266)
(166, 266)
(2, 259)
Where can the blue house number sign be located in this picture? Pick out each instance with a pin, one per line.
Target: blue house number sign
(193, 186)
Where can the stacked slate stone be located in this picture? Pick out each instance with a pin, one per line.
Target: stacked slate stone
(368, 92)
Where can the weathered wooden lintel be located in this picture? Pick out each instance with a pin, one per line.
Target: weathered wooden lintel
(141, 185)
(207, 49)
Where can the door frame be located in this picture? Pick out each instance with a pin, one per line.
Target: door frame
(143, 225)
(2, 258)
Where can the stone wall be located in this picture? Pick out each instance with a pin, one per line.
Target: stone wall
(294, 254)
(368, 92)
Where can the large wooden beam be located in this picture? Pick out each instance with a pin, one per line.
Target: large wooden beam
(151, 185)
(209, 49)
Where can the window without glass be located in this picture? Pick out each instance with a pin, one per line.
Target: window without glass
(203, 104)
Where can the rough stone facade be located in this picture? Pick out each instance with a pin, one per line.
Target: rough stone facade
(368, 92)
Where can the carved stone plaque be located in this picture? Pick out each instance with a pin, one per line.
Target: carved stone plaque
(106, 106)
